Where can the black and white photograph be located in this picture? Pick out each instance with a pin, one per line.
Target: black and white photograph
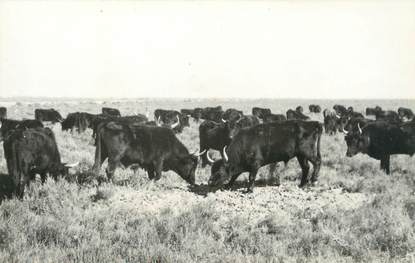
(207, 131)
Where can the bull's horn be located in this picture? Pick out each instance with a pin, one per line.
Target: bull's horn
(338, 116)
(358, 126)
(71, 165)
(224, 121)
(224, 154)
(176, 123)
(158, 121)
(344, 131)
(197, 153)
(208, 158)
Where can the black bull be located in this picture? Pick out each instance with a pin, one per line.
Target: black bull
(269, 143)
(155, 149)
(380, 140)
(29, 152)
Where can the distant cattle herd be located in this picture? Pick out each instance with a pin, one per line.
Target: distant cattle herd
(245, 142)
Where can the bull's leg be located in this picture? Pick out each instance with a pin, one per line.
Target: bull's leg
(232, 181)
(251, 181)
(276, 179)
(158, 167)
(150, 172)
(316, 161)
(385, 164)
(305, 168)
(112, 165)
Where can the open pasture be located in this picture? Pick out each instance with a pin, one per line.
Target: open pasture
(355, 213)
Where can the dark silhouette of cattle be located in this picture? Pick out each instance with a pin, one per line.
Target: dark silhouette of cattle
(296, 115)
(299, 109)
(261, 112)
(373, 111)
(381, 139)
(405, 114)
(155, 149)
(340, 109)
(314, 108)
(111, 112)
(232, 115)
(268, 143)
(51, 115)
(7, 125)
(388, 115)
(29, 152)
(212, 135)
(172, 119)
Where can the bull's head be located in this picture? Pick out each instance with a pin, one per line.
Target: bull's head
(357, 142)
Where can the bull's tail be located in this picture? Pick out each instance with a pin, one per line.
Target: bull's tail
(319, 133)
(98, 152)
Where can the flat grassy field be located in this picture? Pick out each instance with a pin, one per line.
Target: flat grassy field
(355, 213)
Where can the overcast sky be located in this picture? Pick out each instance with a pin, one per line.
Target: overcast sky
(297, 49)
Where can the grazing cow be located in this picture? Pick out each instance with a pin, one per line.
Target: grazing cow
(48, 115)
(77, 120)
(373, 111)
(111, 112)
(405, 113)
(299, 109)
(388, 115)
(232, 115)
(186, 113)
(314, 108)
(7, 125)
(296, 115)
(3, 113)
(155, 149)
(380, 140)
(340, 109)
(261, 112)
(268, 143)
(29, 152)
(212, 135)
(274, 117)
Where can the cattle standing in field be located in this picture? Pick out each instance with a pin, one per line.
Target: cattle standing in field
(380, 140)
(29, 152)
(7, 125)
(268, 143)
(274, 117)
(261, 112)
(232, 115)
(296, 115)
(314, 108)
(373, 111)
(155, 149)
(299, 109)
(78, 120)
(111, 112)
(51, 115)
(3, 113)
(405, 113)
